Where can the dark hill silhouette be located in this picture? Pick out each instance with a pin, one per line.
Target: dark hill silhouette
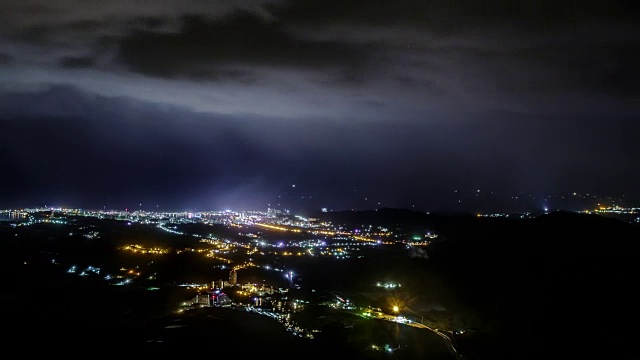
(585, 234)
(557, 286)
(392, 218)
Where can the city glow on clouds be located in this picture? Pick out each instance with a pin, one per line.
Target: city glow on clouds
(392, 102)
(275, 59)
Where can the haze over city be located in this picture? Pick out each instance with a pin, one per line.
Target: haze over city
(178, 105)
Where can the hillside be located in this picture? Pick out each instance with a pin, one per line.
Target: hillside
(557, 284)
(560, 285)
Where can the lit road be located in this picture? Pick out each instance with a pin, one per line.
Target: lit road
(443, 335)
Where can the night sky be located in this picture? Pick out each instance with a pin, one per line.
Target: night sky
(248, 104)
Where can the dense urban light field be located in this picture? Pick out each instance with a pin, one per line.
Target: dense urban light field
(450, 286)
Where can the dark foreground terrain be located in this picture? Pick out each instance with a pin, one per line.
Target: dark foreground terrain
(559, 286)
(74, 319)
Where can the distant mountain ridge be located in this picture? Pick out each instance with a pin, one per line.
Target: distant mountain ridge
(577, 229)
(389, 217)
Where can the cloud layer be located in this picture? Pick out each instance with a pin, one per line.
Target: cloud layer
(392, 102)
(306, 57)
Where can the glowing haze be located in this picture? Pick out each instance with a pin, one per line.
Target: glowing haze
(360, 104)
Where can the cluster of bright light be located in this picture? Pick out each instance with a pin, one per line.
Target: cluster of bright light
(142, 250)
(212, 254)
(499, 215)
(123, 282)
(173, 231)
(388, 285)
(244, 266)
(385, 348)
(617, 210)
(195, 286)
(280, 228)
(90, 269)
(193, 250)
(417, 243)
(33, 221)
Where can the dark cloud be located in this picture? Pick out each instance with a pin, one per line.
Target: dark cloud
(241, 39)
(378, 101)
(449, 17)
(77, 62)
(409, 57)
(5, 59)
